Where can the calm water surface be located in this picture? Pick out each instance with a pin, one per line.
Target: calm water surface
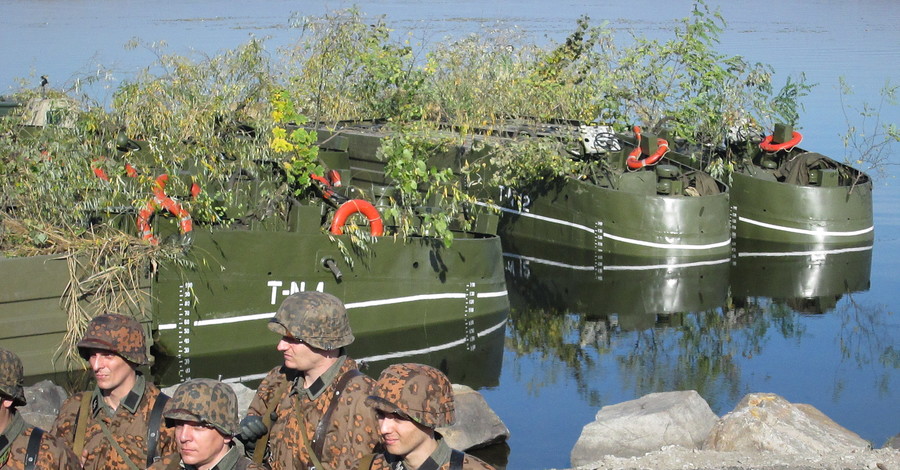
(817, 329)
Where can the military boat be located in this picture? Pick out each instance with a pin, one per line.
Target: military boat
(217, 297)
(782, 193)
(633, 199)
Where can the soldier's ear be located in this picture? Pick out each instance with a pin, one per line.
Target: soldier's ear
(7, 404)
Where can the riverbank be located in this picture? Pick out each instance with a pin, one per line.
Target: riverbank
(679, 458)
(664, 438)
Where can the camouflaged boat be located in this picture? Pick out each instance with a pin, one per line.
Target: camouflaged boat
(634, 200)
(782, 193)
(233, 275)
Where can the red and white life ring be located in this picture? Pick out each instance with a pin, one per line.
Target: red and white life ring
(634, 160)
(353, 206)
(768, 146)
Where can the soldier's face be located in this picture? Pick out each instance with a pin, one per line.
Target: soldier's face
(200, 445)
(404, 437)
(113, 374)
(297, 354)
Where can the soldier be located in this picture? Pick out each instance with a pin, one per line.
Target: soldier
(204, 413)
(411, 400)
(23, 446)
(312, 406)
(117, 425)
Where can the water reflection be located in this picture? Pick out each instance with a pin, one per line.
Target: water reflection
(663, 325)
(806, 280)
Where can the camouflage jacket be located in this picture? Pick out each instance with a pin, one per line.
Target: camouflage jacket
(128, 426)
(439, 460)
(352, 433)
(233, 460)
(14, 444)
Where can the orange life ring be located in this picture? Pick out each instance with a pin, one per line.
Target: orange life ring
(353, 206)
(768, 146)
(161, 201)
(634, 160)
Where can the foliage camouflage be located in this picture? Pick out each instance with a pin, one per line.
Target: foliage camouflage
(233, 117)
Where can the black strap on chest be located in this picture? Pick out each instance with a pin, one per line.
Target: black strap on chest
(34, 446)
(318, 441)
(153, 427)
(456, 459)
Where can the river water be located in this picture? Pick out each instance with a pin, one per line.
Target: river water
(818, 329)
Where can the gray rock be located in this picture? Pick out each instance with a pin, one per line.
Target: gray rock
(44, 399)
(636, 427)
(767, 422)
(892, 443)
(476, 423)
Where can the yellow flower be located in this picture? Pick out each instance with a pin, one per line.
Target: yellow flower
(281, 145)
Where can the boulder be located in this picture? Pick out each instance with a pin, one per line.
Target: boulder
(43, 401)
(769, 423)
(476, 423)
(892, 443)
(636, 427)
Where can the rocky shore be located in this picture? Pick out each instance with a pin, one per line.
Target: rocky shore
(662, 431)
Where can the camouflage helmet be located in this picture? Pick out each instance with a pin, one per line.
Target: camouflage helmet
(11, 377)
(205, 401)
(420, 392)
(120, 334)
(316, 318)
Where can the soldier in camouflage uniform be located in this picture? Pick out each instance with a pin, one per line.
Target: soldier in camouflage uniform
(411, 400)
(118, 425)
(204, 413)
(21, 445)
(317, 397)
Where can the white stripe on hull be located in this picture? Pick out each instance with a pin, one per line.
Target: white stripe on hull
(349, 306)
(632, 241)
(814, 233)
(392, 355)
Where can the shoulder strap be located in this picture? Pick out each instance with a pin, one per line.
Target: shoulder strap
(318, 438)
(456, 459)
(366, 462)
(116, 446)
(34, 446)
(81, 422)
(153, 427)
(260, 451)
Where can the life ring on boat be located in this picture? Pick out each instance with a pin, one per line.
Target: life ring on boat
(161, 201)
(634, 160)
(353, 206)
(768, 146)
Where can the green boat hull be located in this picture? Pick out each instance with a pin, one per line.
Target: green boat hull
(772, 211)
(627, 218)
(240, 277)
(795, 197)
